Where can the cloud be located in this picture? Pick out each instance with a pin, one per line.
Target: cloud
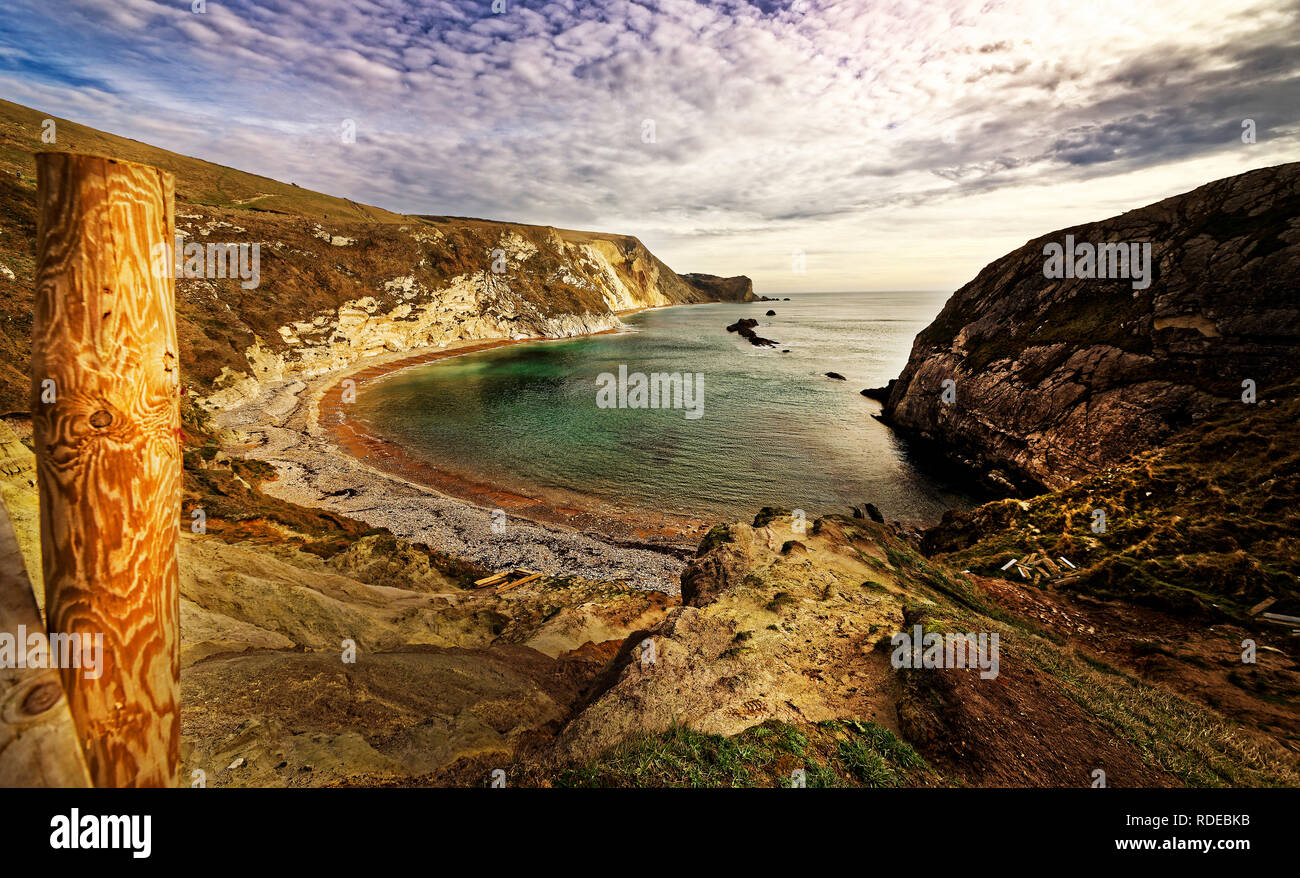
(812, 120)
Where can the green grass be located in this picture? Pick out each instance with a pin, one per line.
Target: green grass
(715, 537)
(876, 757)
(780, 601)
(843, 753)
(1170, 732)
(1202, 526)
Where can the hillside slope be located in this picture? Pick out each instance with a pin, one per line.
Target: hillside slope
(338, 281)
(1055, 379)
(1204, 525)
(781, 657)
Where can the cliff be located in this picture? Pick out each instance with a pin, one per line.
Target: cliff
(336, 281)
(723, 289)
(1057, 378)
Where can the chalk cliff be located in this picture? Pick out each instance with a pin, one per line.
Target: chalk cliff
(337, 281)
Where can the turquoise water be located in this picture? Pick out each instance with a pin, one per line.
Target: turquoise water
(773, 430)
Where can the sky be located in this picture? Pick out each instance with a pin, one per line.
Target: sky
(809, 144)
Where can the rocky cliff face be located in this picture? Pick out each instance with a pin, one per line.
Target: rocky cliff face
(336, 282)
(723, 289)
(1056, 378)
(333, 294)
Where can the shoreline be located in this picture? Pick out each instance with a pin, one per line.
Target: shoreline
(293, 425)
(676, 534)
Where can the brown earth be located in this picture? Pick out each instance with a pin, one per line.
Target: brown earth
(1200, 662)
(793, 630)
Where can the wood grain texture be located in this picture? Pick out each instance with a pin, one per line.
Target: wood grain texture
(38, 742)
(108, 456)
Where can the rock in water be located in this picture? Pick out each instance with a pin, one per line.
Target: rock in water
(880, 394)
(836, 375)
(771, 313)
(744, 327)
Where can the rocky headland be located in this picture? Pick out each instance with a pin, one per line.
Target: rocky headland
(1053, 379)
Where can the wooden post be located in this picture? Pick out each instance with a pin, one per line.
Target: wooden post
(106, 419)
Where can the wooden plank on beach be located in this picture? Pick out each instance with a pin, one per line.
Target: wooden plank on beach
(489, 580)
(518, 582)
(1262, 606)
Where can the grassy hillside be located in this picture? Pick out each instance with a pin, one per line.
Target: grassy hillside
(1205, 524)
(339, 280)
(197, 182)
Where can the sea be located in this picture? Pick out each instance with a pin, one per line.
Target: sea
(770, 428)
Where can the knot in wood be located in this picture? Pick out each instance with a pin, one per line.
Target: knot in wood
(42, 698)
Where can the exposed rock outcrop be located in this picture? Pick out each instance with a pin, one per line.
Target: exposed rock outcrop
(723, 289)
(744, 327)
(1054, 379)
(880, 394)
(766, 631)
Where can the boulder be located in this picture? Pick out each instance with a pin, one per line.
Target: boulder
(744, 327)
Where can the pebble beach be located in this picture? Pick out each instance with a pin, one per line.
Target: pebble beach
(282, 425)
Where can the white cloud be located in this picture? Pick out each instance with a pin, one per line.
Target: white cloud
(901, 144)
